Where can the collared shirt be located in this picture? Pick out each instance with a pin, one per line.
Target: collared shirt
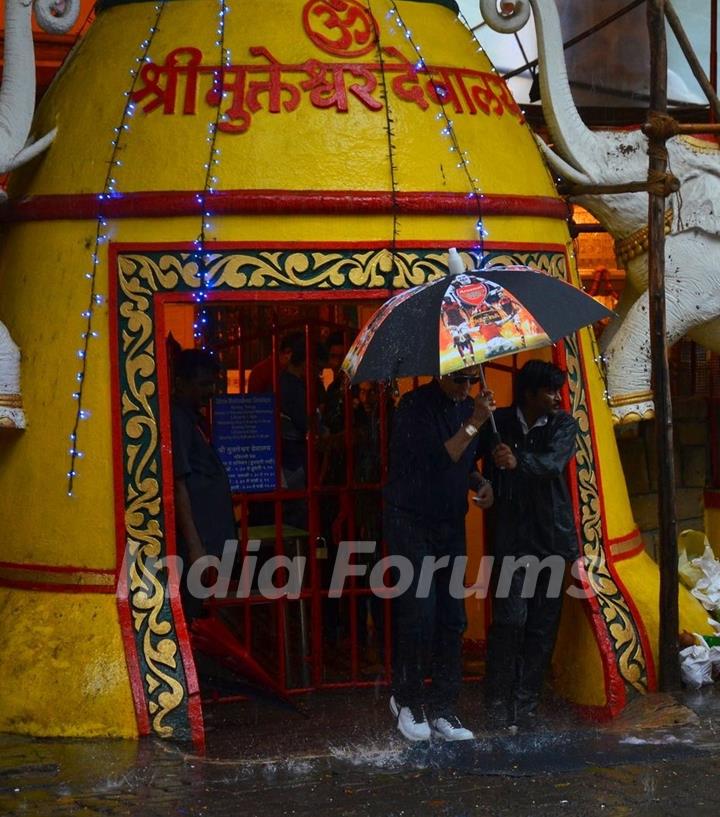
(541, 421)
(423, 480)
(197, 462)
(532, 512)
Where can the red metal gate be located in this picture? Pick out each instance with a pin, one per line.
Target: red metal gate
(311, 640)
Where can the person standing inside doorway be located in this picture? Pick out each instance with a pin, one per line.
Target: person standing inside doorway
(433, 453)
(261, 374)
(532, 519)
(295, 423)
(203, 499)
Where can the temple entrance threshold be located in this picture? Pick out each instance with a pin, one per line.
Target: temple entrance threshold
(307, 456)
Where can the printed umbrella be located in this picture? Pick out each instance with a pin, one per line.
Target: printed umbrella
(467, 318)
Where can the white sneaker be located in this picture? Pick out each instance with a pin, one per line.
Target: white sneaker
(449, 727)
(411, 721)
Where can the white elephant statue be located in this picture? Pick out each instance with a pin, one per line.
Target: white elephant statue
(692, 218)
(17, 94)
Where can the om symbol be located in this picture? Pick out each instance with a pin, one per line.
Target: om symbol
(344, 28)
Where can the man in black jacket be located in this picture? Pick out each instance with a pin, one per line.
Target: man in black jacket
(433, 464)
(532, 520)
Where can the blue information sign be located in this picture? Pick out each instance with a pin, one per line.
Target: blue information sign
(244, 437)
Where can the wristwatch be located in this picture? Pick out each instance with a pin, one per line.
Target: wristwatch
(470, 429)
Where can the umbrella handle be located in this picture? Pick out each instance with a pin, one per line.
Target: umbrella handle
(496, 438)
(501, 487)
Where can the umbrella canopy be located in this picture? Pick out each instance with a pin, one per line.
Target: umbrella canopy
(465, 319)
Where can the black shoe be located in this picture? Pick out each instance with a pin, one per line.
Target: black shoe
(526, 718)
(497, 715)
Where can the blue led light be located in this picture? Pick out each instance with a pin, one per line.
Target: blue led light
(101, 237)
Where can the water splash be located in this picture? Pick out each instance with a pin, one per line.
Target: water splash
(386, 755)
(660, 740)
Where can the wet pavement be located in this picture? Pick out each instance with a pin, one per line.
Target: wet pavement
(344, 757)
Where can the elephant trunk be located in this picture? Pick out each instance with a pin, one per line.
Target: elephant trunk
(17, 94)
(572, 139)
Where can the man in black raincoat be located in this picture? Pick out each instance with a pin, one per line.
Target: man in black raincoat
(532, 520)
(433, 464)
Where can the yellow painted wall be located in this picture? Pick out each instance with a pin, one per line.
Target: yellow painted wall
(577, 670)
(63, 666)
(44, 291)
(345, 151)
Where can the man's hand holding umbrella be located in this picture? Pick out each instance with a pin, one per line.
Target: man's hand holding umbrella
(503, 457)
(456, 387)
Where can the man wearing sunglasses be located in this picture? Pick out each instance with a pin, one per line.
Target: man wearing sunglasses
(433, 464)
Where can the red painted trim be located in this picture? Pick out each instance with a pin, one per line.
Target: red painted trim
(621, 557)
(127, 629)
(40, 568)
(639, 623)
(273, 295)
(195, 715)
(711, 498)
(197, 729)
(626, 554)
(614, 686)
(178, 203)
(615, 692)
(430, 244)
(626, 538)
(36, 582)
(50, 587)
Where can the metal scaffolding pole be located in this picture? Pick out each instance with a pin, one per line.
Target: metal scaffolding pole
(692, 60)
(658, 132)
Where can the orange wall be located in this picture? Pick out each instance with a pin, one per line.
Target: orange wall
(50, 49)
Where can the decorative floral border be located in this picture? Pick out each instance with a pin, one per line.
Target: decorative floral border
(143, 274)
(619, 620)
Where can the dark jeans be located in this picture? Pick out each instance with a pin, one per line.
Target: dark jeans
(427, 632)
(521, 642)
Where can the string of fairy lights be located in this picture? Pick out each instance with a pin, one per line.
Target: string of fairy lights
(448, 130)
(390, 133)
(102, 232)
(199, 253)
(102, 236)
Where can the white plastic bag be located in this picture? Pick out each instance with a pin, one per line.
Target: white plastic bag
(707, 588)
(688, 573)
(699, 664)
